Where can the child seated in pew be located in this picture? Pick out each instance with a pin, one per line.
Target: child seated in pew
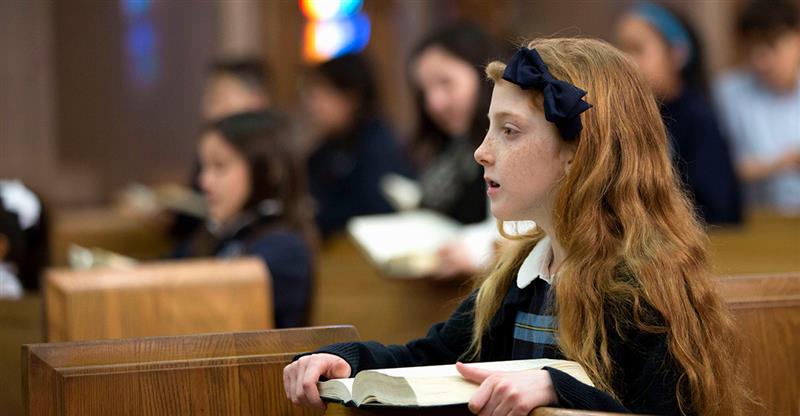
(668, 53)
(257, 205)
(759, 105)
(615, 276)
(353, 148)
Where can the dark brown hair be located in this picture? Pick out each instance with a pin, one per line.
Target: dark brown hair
(765, 20)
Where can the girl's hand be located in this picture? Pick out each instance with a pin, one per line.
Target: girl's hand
(454, 261)
(508, 393)
(300, 377)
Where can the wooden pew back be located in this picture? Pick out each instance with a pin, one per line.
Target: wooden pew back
(767, 313)
(160, 298)
(765, 243)
(20, 323)
(218, 374)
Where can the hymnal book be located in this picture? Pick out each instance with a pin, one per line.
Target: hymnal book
(438, 385)
(403, 244)
(81, 258)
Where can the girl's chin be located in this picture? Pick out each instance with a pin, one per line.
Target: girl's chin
(502, 215)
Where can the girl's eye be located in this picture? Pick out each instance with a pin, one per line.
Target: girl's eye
(509, 131)
(218, 165)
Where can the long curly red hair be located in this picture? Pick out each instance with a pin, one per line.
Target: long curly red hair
(621, 212)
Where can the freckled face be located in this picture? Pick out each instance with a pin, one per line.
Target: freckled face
(523, 157)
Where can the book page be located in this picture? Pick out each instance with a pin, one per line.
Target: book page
(450, 369)
(385, 237)
(402, 193)
(337, 389)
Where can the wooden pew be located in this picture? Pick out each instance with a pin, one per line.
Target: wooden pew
(766, 243)
(767, 313)
(160, 298)
(20, 323)
(208, 374)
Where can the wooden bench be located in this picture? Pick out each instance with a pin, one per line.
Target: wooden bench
(765, 243)
(20, 323)
(767, 313)
(208, 374)
(159, 298)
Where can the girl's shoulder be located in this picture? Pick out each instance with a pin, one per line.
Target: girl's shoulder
(277, 237)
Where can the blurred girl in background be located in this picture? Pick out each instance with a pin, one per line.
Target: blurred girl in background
(354, 148)
(452, 99)
(668, 55)
(452, 96)
(257, 205)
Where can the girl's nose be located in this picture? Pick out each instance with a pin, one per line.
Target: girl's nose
(204, 180)
(482, 154)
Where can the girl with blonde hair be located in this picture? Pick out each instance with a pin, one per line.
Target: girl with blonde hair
(615, 275)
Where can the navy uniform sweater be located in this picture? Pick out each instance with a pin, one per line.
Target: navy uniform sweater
(703, 158)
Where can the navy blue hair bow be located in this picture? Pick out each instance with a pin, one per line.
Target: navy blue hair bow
(563, 101)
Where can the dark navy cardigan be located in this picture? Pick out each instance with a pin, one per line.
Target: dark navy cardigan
(344, 174)
(703, 158)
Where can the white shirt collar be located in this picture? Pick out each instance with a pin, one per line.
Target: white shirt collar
(536, 264)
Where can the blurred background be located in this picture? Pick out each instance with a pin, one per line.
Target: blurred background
(97, 94)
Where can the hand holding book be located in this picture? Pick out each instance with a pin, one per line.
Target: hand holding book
(508, 392)
(300, 377)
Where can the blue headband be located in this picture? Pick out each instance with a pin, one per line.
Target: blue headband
(668, 25)
(563, 102)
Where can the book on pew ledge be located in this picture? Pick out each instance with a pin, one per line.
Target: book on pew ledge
(403, 244)
(438, 385)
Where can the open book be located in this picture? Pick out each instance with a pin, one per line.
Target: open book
(439, 385)
(81, 258)
(403, 244)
